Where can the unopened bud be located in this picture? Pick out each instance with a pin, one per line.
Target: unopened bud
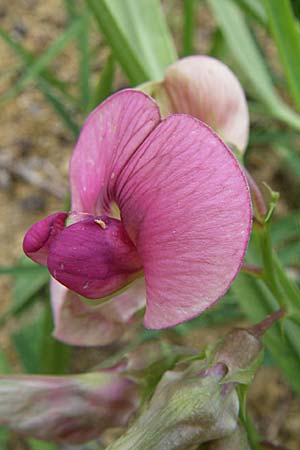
(71, 409)
(188, 407)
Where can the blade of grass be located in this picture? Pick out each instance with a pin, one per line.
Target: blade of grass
(29, 58)
(144, 25)
(189, 19)
(284, 30)
(250, 61)
(84, 64)
(38, 66)
(138, 36)
(59, 107)
(105, 82)
(118, 42)
(255, 9)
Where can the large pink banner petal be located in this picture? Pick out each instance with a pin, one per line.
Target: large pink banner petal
(185, 203)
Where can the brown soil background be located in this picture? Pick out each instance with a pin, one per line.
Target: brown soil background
(34, 141)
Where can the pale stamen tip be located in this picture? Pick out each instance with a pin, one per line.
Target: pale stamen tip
(101, 223)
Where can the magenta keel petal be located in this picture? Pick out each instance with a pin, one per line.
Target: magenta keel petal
(94, 257)
(185, 203)
(39, 237)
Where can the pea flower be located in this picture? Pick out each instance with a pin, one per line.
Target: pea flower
(207, 89)
(184, 212)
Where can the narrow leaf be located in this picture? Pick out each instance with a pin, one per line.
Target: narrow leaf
(189, 20)
(144, 25)
(255, 9)
(59, 107)
(118, 42)
(250, 61)
(84, 64)
(284, 30)
(104, 85)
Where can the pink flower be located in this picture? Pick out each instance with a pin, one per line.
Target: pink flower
(207, 89)
(185, 212)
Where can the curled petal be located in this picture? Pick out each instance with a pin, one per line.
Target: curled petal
(207, 89)
(111, 134)
(71, 409)
(79, 324)
(39, 237)
(94, 257)
(185, 203)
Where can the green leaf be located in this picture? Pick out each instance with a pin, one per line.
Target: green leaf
(104, 85)
(255, 9)
(284, 30)
(38, 350)
(29, 280)
(26, 341)
(84, 64)
(59, 107)
(250, 61)
(53, 355)
(138, 36)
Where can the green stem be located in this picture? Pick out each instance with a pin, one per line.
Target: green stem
(189, 14)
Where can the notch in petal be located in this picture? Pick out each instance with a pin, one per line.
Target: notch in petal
(207, 89)
(38, 238)
(94, 257)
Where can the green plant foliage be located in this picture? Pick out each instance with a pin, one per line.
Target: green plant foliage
(250, 61)
(286, 34)
(138, 36)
